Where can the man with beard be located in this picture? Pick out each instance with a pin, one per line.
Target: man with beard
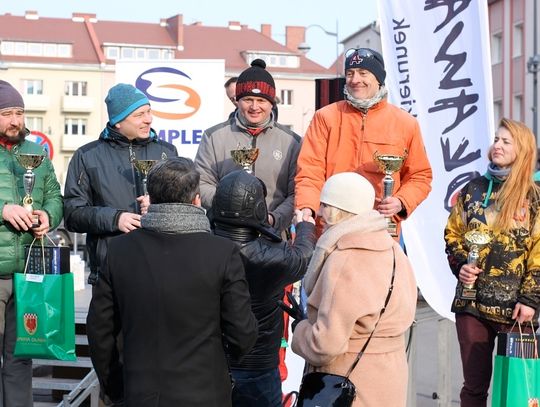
(103, 196)
(344, 136)
(253, 126)
(17, 229)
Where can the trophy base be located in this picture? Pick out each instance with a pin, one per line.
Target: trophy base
(35, 221)
(392, 228)
(467, 294)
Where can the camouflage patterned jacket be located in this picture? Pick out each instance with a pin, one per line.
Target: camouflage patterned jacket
(510, 263)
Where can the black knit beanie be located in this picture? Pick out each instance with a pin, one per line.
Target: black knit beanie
(368, 59)
(256, 81)
(9, 96)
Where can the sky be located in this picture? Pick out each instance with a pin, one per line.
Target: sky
(279, 13)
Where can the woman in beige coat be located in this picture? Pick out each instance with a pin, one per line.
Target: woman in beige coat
(347, 283)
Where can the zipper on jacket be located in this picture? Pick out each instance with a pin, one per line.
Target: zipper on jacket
(253, 145)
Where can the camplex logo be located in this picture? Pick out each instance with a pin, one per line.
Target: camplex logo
(180, 106)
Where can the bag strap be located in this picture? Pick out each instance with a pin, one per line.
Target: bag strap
(361, 353)
(42, 251)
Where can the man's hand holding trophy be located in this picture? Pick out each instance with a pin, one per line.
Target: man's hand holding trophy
(30, 162)
(389, 164)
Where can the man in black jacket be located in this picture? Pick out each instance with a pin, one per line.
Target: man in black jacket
(172, 303)
(239, 213)
(102, 195)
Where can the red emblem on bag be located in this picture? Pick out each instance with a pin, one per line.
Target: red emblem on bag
(30, 323)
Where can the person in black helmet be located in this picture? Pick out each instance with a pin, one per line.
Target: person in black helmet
(239, 213)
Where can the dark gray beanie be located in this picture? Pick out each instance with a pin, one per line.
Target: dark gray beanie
(122, 100)
(368, 59)
(9, 96)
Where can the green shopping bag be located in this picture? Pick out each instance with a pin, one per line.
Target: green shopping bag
(516, 382)
(44, 312)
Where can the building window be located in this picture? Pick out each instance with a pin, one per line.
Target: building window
(64, 51)
(517, 108)
(141, 53)
(128, 53)
(112, 52)
(33, 87)
(497, 111)
(286, 97)
(35, 49)
(75, 88)
(7, 48)
(34, 123)
(21, 48)
(50, 50)
(75, 127)
(517, 46)
(496, 48)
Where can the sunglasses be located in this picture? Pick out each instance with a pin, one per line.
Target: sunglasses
(362, 52)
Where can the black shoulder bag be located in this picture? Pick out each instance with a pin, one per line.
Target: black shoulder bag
(332, 390)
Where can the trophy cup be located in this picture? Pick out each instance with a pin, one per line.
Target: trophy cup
(388, 164)
(475, 241)
(245, 157)
(29, 162)
(144, 166)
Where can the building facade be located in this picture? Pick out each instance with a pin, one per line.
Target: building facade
(64, 68)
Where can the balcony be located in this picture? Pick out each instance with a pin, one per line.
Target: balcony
(77, 104)
(36, 103)
(72, 142)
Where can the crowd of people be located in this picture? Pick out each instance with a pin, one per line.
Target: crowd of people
(187, 278)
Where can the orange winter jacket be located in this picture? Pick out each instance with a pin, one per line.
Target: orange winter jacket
(340, 138)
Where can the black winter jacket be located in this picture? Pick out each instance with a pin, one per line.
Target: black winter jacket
(102, 183)
(270, 267)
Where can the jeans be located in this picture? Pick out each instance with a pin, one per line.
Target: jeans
(256, 388)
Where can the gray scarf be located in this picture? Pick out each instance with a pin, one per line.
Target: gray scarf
(175, 218)
(366, 222)
(364, 104)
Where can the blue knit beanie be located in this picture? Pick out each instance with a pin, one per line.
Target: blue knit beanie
(9, 96)
(122, 100)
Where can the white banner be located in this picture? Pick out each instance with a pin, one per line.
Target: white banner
(183, 97)
(438, 69)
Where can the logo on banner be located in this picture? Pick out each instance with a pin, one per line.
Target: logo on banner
(42, 139)
(172, 101)
(30, 323)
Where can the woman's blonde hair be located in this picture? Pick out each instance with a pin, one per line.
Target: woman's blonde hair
(519, 186)
(336, 215)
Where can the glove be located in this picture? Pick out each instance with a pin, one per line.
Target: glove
(294, 310)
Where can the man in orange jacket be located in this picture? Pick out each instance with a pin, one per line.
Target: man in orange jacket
(344, 136)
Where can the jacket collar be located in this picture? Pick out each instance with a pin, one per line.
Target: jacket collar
(109, 133)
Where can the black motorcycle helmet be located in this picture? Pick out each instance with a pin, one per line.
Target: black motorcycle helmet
(240, 201)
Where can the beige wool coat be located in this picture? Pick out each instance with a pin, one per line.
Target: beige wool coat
(347, 283)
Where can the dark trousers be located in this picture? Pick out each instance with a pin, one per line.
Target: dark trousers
(476, 342)
(15, 373)
(256, 388)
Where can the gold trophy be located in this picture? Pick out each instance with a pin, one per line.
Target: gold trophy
(245, 157)
(388, 164)
(144, 167)
(475, 241)
(30, 162)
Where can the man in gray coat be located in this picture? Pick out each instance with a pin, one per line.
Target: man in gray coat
(252, 126)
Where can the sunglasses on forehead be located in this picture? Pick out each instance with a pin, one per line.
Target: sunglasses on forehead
(362, 52)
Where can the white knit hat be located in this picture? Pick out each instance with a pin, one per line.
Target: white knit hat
(348, 191)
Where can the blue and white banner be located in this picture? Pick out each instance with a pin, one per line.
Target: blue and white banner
(439, 70)
(182, 94)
